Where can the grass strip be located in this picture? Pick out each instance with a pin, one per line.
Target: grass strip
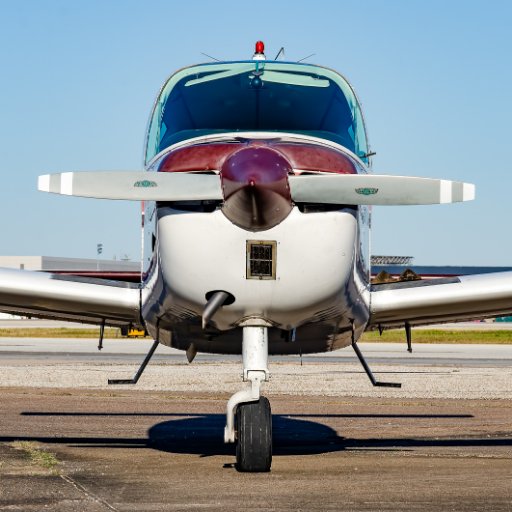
(441, 336)
(391, 336)
(37, 455)
(58, 332)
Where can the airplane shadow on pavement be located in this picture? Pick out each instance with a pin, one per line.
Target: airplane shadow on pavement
(202, 435)
(293, 435)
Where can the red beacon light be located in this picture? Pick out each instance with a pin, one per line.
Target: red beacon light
(259, 53)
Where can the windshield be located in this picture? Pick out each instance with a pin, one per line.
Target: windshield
(256, 96)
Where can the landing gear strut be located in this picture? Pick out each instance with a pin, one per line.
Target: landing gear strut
(249, 418)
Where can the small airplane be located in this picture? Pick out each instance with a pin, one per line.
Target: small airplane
(257, 195)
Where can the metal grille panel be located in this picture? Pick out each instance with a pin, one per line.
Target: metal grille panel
(261, 259)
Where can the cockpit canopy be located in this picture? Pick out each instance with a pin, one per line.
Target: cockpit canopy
(256, 96)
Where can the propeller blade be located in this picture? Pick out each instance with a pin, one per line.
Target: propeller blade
(134, 185)
(379, 190)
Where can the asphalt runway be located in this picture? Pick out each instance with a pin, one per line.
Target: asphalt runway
(120, 351)
(154, 451)
(442, 442)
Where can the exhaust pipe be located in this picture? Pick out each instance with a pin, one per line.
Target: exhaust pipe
(215, 302)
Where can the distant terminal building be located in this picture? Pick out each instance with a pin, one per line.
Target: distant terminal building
(99, 268)
(392, 260)
(395, 266)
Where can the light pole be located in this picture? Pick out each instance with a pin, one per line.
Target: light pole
(99, 250)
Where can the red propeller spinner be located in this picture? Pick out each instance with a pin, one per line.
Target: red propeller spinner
(255, 187)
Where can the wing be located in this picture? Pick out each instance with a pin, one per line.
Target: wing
(441, 300)
(46, 295)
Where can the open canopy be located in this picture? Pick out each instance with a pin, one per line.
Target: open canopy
(256, 96)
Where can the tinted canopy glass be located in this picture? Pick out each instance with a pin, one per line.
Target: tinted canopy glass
(256, 96)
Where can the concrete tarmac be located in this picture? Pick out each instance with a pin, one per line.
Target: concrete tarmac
(442, 442)
(156, 451)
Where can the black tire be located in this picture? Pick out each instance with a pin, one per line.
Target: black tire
(254, 443)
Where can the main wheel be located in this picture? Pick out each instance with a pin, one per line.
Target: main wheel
(254, 444)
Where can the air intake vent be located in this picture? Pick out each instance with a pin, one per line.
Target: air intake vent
(261, 259)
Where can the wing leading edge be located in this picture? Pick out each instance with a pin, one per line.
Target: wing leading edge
(53, 296)
(441, 300)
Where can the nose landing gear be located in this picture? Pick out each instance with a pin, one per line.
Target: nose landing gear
(248, 417)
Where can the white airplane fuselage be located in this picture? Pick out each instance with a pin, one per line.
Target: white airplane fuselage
(317, 300)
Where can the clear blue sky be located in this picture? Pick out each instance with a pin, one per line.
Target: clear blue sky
(79, 78)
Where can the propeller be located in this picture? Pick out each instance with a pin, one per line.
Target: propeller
(354, 189)
(379, 190)
(134, 185)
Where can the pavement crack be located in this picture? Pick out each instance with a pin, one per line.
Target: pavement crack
(88, 493)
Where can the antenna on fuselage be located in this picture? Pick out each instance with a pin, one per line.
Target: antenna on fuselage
(281, 51)
(305, 58)
(210, 57)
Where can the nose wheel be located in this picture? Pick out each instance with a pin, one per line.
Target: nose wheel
(254, 436)
(248, 415)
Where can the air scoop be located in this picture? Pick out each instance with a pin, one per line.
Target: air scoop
(255, 187)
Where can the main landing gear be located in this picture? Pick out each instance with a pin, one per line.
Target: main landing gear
(249, 418)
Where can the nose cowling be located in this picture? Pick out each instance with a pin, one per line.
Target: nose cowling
(255, 187)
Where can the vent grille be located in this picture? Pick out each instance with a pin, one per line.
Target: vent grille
(261, 259)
